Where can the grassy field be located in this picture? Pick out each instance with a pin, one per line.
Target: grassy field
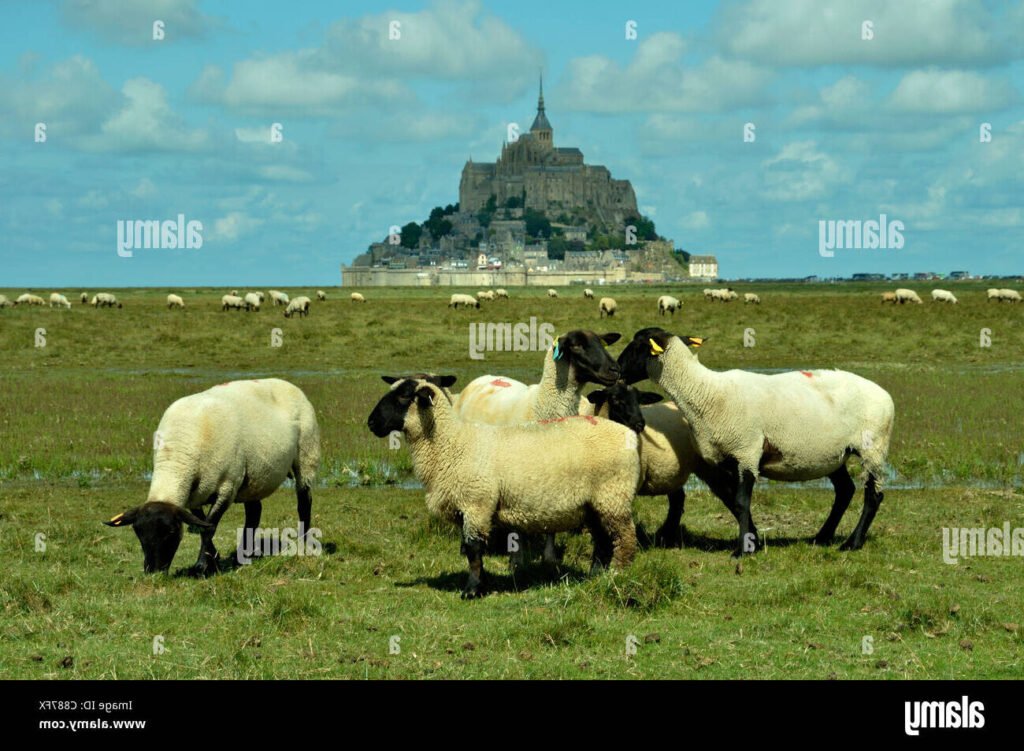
(76, 423)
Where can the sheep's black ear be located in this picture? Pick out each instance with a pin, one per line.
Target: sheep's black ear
(597, 398)
(389, 379)
(445, 381)
(124, 520)
(192, 520)
(693, 341)
(648, 397)
(610, 338)
(424, 397)
(657, 339)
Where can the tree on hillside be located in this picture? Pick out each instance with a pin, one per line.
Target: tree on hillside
(537, 225)
(411, 235)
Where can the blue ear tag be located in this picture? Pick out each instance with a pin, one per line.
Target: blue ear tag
(558, 352)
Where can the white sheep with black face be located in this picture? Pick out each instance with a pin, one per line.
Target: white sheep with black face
(232, 302)
(106, 300)
(252, 302)
(790, 426)
(57, 300)
(668, 304)
(541, 477)
(607, 307)
(588, 294)
(300, 305)
(233, 443)
(460, 299)
(278, 298)
(175, 301)
(357, 297)
(944, 295)
(30, 299)
(501, 293)
(751, 298)
(904, 295)
(552, 292)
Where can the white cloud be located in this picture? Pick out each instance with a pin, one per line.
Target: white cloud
(800, 173)
(696, 220)
(144, 189)
(146, 122)
(71, 97)
(130, 22)
(233, 226)
(945, 92)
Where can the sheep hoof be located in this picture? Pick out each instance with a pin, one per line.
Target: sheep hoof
(852, 544)
(668, 537)
(822, 540)
(472, 592)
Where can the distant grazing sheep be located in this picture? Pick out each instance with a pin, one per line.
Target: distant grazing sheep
(29, 299)
(58, 300)
(278, 298)
(232, 302)
(5, 303)
(299, 305)
(466, 301)
(1007, 295)
(589, 294)
(750, 297)
(234, 293)
(943, 295)
(84, 298)
(234, 443)
(552, 293)
(889, 297)
(904, 295)
(502, 293)
(668, 304)
(607, 307)
(252, 302)
(105, 300)
(321, 295)
(356, 297)
(488, 295)
(175, 301)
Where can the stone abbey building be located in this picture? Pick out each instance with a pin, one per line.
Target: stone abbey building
(553, 179)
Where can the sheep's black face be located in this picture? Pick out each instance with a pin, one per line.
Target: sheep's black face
(585, 351)
(389, 414)
(158, 526)
(624, 404)
(633, 359)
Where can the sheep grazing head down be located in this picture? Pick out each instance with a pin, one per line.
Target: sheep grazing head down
(392, 410)
(586, 352)
(647, 345)
(158, 526)
(624, 404)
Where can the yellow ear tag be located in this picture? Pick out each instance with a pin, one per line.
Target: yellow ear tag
(696, 341)
(656, 349)
(116, 518)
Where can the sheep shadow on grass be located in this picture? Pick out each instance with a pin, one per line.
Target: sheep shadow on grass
(230, 562)
(525, 577)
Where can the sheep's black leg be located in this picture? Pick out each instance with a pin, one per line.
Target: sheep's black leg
(208, 556)
(845, 488)
(247, 548)
(305, 507)
(741, 509)
(602, 557)
(669, 535)
(551, 556)
(872, 500)
(474, 550)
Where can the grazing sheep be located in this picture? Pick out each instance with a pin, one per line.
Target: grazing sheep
(668, 450)
(668, 304)
(29, 299)
(943, 295)
(552, 293)
(889, 297)
(252, 302)
(589, 294)
(58, 300)
(299, 305)
(105, 300)
(278, 298)
(232, 302)
(750, 297)
(84, 298)
(709, 295)
(725, 295)
(539, 478)
(321, 295)
(356, 297)
(1009, 295)
(466, 301)
(5, 303)
(234, 293)
(261, 296)
(607, 307)
(488, 295)
(904, 295)
(234, 443)
(501, 293)
(789, 426)
(175, 301)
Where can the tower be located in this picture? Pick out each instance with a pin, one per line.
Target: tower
(541, 129)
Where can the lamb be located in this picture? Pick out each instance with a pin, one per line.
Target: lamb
(588, 294)
(668, 304)
(232, 302)
(357, 297)
(527, 477)
(321, 295)
(466, 301)
(299, 305)
(501, 293)
(5, 303)
(789, 426)
(58, 300)
(83, 298)
(943, 295)
(175, 301)
(607, 307)
(552, 293)
(278, 298)
(29, 299)
(234, 443)
(750, 297)
(252, 302)
(904, 295)
(889, 297)
(105, 300)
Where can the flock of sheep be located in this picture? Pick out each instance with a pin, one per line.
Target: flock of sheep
(901, 296)
(606, 307)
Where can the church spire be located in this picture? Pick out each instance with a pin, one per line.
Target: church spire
(541, 128)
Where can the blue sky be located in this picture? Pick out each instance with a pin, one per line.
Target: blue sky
(376, 131)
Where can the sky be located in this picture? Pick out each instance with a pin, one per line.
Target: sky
(859, 108)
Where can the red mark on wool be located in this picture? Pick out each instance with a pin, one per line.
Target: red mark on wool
(589, 418)
(499, 382)
(807, 373)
